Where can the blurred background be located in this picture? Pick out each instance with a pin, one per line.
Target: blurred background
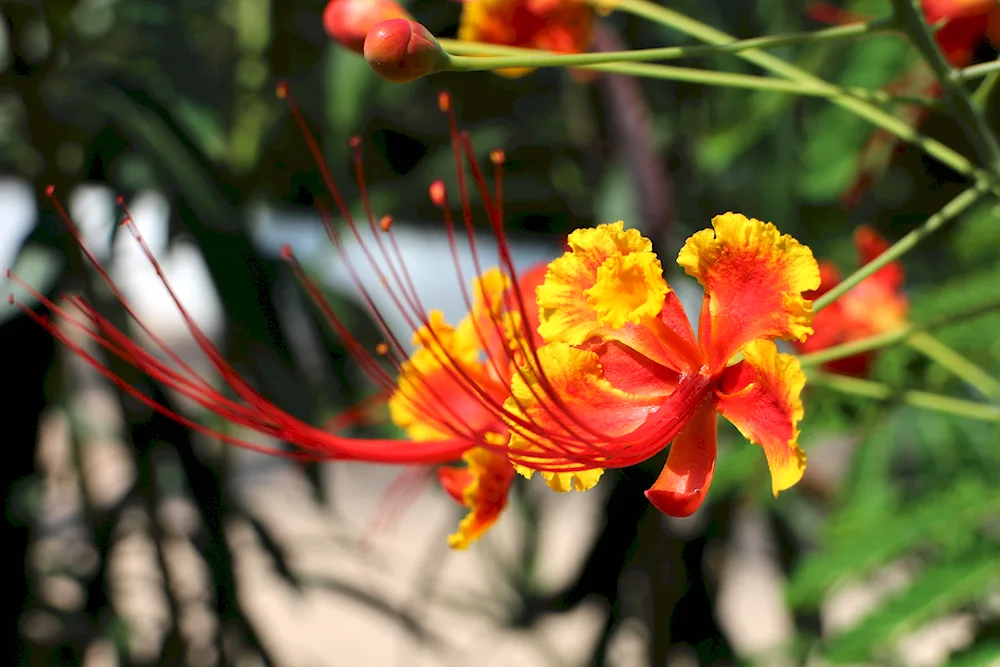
(136, 542)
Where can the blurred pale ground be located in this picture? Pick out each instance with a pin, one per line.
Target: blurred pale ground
(362, 552)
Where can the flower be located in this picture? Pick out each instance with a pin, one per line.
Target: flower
(566, 369)
(964, 24)
(348, 22)
(561, 26)
(874, 306)
(622, 375)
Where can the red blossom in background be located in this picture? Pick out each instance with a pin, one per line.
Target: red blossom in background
(876, 305)
(348, 22)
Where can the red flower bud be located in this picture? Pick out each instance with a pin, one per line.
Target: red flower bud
(401, 51)
(348, 22)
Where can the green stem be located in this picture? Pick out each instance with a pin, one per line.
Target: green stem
(975, 71)
(786, 70)
(972, 120)
(905, 244)
(965, 369)
(852, 31)
(598, 63)
(880, 341)
(917, 399)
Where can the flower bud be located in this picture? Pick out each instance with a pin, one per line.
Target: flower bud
(401, 51)
(348, 22)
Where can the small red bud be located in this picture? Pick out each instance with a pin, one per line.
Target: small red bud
(402, 51)
(348, 22)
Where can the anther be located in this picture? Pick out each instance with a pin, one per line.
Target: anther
(497, 157)
(286, 252)
(50, 190)
(444, 102)
(354, 141)
(438, 193)
(382, 349)
(281, 89)
(385, 223)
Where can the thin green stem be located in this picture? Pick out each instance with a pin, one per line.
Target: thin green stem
(917, 399)
(911, 18)
(950, 210)
(852, 31)
(975, 71)
(666, 72)
(876, 116)
(934, 349)
(880, 341)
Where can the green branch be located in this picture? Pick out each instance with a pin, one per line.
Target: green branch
(786, 70)
(950, 210)
(917, 399)
(911, 18)
(890, 338)
(546, 59)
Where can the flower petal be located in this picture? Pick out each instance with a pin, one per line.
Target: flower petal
(562, 26)
(761, 396)
(484, 484)
(754, 278)
(583, 284)
(609, 286)
(539, 423)
(434, 395)
(684, 480)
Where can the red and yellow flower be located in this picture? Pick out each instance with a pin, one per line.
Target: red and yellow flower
(874, 306)
(560, 26)
(567, 369)
(622, 374)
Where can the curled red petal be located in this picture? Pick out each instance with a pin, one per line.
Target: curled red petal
(684, 480)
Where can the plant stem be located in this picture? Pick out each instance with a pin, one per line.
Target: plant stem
(917, 399)
(975, 71)
(965, 369)
(852, 31)
(880, 341)
(911, 19)
(598, 62)
(905, 244)
(784, 69)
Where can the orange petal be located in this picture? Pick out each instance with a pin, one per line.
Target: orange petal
(562, 26)
(754, 278)
(486, 481)
(586, 397)
(434, 394)
(684, 480)
(609, 285)
(761, 396)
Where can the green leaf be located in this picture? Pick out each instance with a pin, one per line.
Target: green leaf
(938, 590)
(869, 537)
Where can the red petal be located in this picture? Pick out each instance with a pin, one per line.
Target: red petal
(684, 481)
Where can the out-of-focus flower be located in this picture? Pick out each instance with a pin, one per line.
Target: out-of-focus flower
(874, 306)
(566, 369)
(561, 26)
(402, 51)
(961, 27)
(348, 22)
(622, 374)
